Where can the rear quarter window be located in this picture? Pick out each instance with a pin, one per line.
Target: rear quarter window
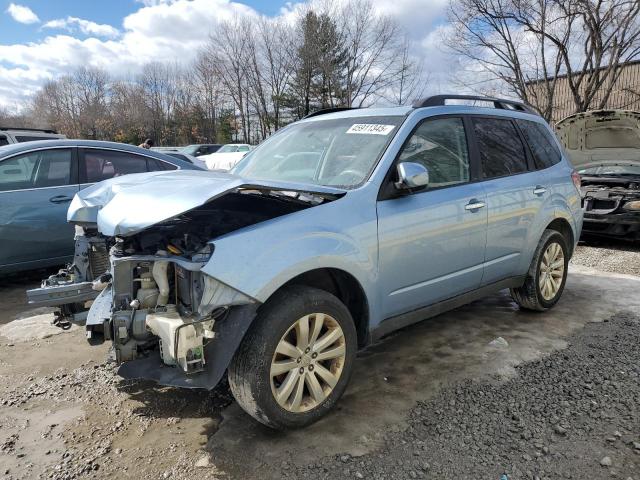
(158, 165)
(542, 144)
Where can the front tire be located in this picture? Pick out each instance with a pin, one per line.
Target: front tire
(547, 274)
(296, 360)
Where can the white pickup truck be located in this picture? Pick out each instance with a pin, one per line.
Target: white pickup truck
(10, 135)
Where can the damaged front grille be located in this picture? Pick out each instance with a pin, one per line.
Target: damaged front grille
(602, 196)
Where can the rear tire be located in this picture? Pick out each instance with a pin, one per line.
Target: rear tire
(547, 274)
(296, 360)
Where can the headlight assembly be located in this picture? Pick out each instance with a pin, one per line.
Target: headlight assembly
(632, 206)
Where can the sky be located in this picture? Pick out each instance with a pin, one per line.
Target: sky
(43, 39)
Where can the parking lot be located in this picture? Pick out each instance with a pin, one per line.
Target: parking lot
(558, 398)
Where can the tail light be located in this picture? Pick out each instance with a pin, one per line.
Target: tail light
(575, 176)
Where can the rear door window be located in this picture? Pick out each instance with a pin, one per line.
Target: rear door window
(3, 140)
(542, 144)
(501, 150)
(101, 165)
(39, 169)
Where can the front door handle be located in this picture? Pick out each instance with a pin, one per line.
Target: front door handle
(474, 205)
(60, 199)
(539, 190)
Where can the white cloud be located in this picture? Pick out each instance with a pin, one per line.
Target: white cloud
(162, 30)
(85, 26)
(415, 16)
(167, 31)
(22, 14)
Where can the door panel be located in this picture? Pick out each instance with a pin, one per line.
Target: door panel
(513, 207)
(430, 246)
(33, 227)
(35, 192)
(514, 198)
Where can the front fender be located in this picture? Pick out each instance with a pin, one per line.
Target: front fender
(342, 234)
(257, 266)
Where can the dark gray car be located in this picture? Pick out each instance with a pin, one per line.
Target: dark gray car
(39, 179)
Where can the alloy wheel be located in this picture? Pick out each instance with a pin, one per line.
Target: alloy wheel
(551, 271)
(308, 362)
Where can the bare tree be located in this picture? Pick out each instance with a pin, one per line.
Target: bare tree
(91, 91)
(228, 49)
(526, 44)
(375, 48)
(208, 92)
(411, 80)
(158, 83)
(276, 41)
(251, 78)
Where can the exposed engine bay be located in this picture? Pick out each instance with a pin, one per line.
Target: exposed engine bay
(604, 147)
(612, 205)
(158, 298)
(150, 297)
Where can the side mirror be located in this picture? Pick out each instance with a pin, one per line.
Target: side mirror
(412, 176)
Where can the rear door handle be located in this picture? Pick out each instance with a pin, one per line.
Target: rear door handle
(539, 190)
(60, 199)
(474, 205)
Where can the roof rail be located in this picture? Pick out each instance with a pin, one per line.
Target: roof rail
(501, 103)
(328, 110)
(43, 130)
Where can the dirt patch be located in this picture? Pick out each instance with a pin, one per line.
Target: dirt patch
(14, 298)
(37, 327)
(138, 430)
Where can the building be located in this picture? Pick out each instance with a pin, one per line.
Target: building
(625, 95)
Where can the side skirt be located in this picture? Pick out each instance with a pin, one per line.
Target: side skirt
(392, 324)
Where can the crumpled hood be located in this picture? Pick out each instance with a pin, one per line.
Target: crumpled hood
(126, 205)
(601, 138)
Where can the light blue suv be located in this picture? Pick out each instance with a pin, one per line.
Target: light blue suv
(335, 231)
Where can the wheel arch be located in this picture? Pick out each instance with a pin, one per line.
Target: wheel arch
(562, 226)
(345, 287)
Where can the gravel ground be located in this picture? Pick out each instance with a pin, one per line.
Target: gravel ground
(609, 257)
(65, 414)
(574, 414)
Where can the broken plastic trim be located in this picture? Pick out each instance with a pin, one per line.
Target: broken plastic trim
(217, 294)
(229, 332)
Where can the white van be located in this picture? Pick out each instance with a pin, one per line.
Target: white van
(10, 135)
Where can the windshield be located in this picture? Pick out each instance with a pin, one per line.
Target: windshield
(339, 152)
(611, 170)
(190, 149)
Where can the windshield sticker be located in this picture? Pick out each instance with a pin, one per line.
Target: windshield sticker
(371, 129)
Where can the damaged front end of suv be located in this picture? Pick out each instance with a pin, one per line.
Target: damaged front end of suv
(604, 146)
(168, 320)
